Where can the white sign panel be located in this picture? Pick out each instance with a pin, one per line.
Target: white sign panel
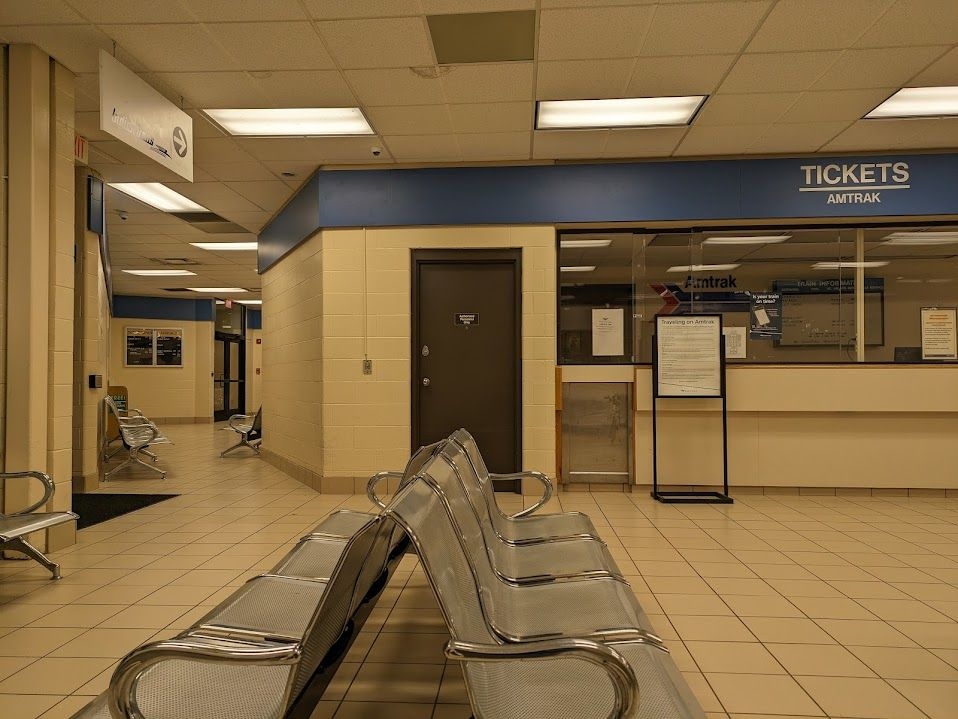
(136, 114)
(938, 333)
(688, 356)
(608, 332)
(735, 338)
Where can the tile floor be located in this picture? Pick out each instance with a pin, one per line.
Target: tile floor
(773, 607)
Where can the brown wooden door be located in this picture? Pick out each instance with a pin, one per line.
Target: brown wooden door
(466, 319)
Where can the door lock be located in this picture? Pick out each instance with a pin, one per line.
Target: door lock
(425, 351)
(426, 382)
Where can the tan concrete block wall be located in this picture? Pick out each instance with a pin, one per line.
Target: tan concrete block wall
(254, 361)
(292, 389)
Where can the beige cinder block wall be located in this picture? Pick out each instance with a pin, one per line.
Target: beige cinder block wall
(168, 394)
(254, 362)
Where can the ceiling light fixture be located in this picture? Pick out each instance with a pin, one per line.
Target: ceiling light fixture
(921, 238)
(158, 195)
(293, 121)
(848, 265)
(702, 268)
(578, 268)
(220, 290)
(570, 244)
(625, 112)
(250, 302)
(918, 102)
(223, 246)
(159, 273)
(746, 240)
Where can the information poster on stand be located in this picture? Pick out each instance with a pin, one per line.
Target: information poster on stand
(688, 360)
(938, 333)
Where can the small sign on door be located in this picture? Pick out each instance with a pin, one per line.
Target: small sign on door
(467, 318)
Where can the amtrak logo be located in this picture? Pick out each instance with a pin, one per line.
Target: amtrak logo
(179, 141)
(855, 183)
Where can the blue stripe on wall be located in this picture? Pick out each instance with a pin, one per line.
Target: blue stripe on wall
(684, 191)
(163, 308)
(254, 319)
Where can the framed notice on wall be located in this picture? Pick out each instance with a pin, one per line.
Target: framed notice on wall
(938, 333)
(688, 358)
(153, 347)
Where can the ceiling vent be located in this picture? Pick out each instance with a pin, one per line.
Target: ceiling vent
(483, 36)
(210, 222)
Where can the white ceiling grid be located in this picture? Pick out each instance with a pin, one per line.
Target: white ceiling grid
(783, 76)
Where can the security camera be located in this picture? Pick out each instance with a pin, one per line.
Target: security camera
(121, 214)
(377, 151)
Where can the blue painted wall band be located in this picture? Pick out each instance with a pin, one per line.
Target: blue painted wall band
(163, 308)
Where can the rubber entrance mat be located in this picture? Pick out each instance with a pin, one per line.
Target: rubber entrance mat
(96, 508)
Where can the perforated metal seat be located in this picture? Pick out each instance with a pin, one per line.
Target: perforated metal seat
(521, 528)
(342, 523)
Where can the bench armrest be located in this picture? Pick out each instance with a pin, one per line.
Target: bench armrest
(547, 489)
(245, 418)
(375, 481)
(138, 439)
(621, 675)
(48, 489)
(122, 692)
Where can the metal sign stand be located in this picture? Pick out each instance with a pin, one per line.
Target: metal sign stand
(689, 497)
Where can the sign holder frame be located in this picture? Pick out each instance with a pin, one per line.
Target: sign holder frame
(694, 496)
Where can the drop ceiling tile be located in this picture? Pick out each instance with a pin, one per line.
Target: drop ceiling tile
(587, 33)
(914, 22)
(492, 117)
(703, 29)
(446, 7)
(782, 72)
(238, 10)
(269, 196)
(650, 142)
(424, 148)
(826, 106)
(38, 12)
(816, 24)
(874, 68)
(943, 71)
(805, 137)
(332, 9)
(940, 133)
(315, 150)
(698, 75)
(379, 43)
(203, 127)
(568, 144)
(173, 48)
(874, 135)
(218, 149)
(214, 89)
(707, 141)
(214, 196)
(122, 152)
(749, 109)
(131, 11)
(88, 125)
(488, 82)
(76, 47)
(495, 146)
(239, 171)
(305, 88)
(410, 120)
(252, 221)
(583, 79)
(400, 86)
(273, 45)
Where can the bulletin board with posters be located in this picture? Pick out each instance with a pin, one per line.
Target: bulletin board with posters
(153, 347)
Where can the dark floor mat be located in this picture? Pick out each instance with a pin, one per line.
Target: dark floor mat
(96, 508)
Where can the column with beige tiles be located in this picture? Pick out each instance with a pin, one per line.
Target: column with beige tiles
(39, 278)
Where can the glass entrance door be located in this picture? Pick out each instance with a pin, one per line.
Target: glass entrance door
(229, 376)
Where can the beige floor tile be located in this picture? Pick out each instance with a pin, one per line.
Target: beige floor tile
(789, 588)
(341, 681)
(760, 606)
(411, 648)
(176, 596)
(692, 604)
(651, 568)
(762, 693)
(902, 610)
(733, 657)
(830, 660)
(452, 711)
(103, 642)
(678, 585)
(868, 590)
(906, 663)
(452, 690)
(787, 630)
(20, 614)
(937, 699)
(11, 665)
(145, 617)
(859, 632)
(376, 710)
(26, 706)
(35, 641)
(79, 615)
(421, 621)
(66, 708)
(859, 698)
(396, 683)
(715, 629)
(736, 586)
(703, 692)
(722, 569)
(831, 608)
(53, 675)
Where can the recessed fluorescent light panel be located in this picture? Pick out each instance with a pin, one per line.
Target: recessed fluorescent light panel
(159, 273)
(848, 265)
(921, 238)
(295, 121)
(250, 302)
(627, 112)
(701, 268)
(159, 196)
(578, 268)
(571, 244)
(219, 290)
(746, 240)
(918, 102)
(223, 246)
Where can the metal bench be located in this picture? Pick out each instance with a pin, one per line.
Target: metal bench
(15, 526)
(250, 429)
(137, 433)
(576, 655)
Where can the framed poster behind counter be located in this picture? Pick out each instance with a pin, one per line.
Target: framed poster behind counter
(153, 347)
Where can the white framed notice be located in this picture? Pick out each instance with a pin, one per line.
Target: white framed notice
(735, 339)
(153, 347)
(938, 333)
(608, 332)
(688, 358)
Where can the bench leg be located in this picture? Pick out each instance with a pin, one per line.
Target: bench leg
(244, 442)
(134, 459)
(19, 544)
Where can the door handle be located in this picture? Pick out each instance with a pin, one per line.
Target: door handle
(426, 382)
